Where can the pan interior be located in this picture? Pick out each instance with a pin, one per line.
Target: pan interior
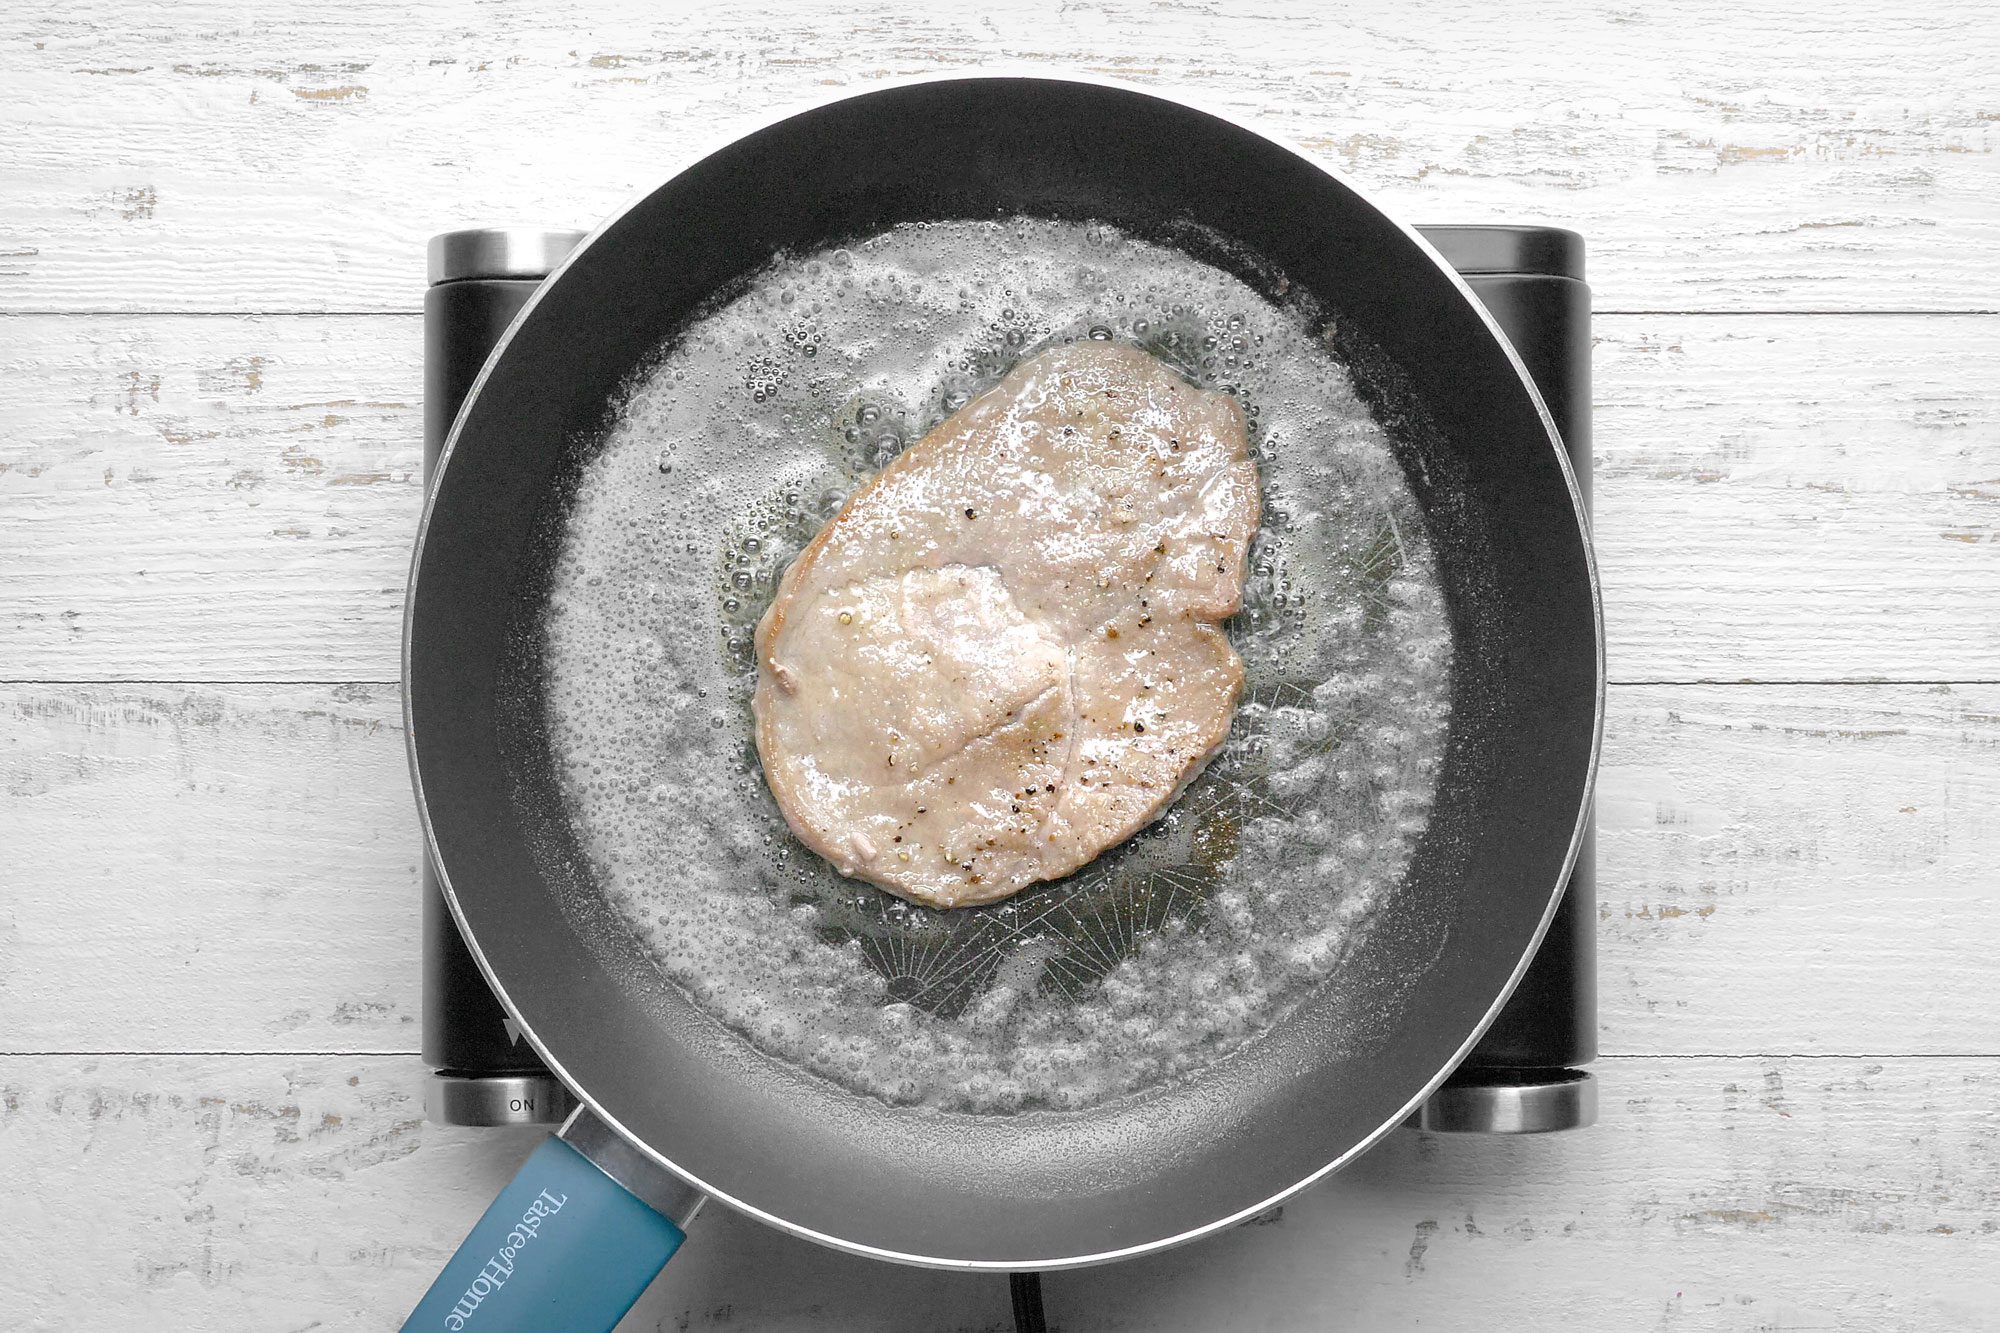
(1040, 1188)
(1169, 951)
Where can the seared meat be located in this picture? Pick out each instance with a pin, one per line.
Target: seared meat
(1002, 656)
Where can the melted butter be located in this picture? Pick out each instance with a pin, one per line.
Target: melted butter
(1169, 952)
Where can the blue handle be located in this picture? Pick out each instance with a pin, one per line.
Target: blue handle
(565, 1247)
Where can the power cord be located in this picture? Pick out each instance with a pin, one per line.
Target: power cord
(1026, 1289)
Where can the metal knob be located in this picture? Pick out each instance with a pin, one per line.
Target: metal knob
(496, 1099)
(499, 252)
(1537, 1102)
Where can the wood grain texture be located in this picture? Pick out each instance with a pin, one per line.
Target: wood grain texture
(235, 869)
(233, 498)
(207, 870)
(1796, 885)
(1799, 870)
(207, 498)
(1731, 1195)
(1803, 498)
(1719, 155)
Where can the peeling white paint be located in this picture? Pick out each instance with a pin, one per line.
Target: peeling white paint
(1796, 889)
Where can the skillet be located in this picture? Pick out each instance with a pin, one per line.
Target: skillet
(672, 1111)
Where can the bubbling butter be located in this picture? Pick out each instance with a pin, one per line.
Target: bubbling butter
(1170, 951)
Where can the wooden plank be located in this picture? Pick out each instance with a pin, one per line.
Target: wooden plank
(1799, 869)
(235, 869)
(225, 498)
(232, 498)
(1719, 155)
(289, 1192)
(207, 870)
(1799, 498)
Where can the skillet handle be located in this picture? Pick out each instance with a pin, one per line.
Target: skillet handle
(565, 1248)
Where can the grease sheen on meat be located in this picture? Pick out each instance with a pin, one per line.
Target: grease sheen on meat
(1002, 656)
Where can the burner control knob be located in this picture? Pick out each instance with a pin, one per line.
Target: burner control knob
(1528, 1102)
(496, 1099)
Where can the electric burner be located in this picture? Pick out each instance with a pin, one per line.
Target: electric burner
(1525, 1076)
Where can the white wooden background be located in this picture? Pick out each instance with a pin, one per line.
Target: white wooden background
(211, 228)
